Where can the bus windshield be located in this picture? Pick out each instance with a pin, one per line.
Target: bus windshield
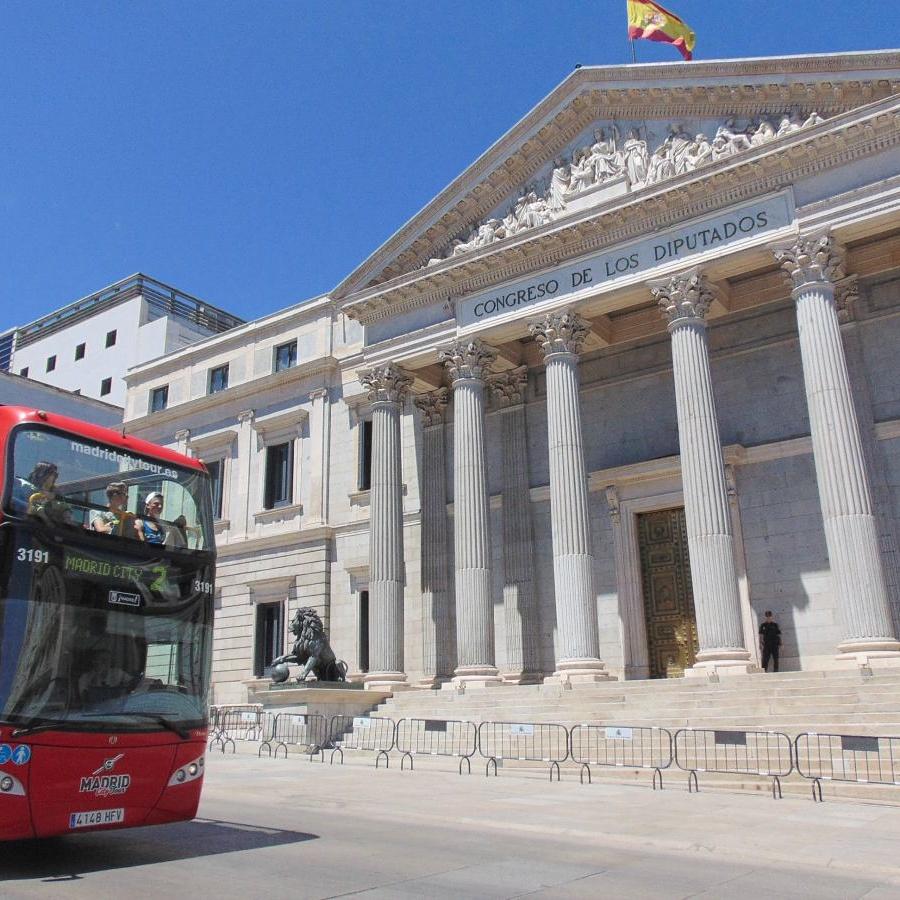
(67, 481)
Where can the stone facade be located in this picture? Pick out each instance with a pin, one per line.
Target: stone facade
(720, 339)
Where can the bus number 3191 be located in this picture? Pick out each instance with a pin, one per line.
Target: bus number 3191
(33, 556)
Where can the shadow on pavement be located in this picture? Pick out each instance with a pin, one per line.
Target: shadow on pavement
(69, 857)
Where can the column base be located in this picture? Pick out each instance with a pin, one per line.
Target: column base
(386, 681)
(475, 677)
(522, 677)
(433, 682)
(579, 671)
(874, 649)
(722, 662)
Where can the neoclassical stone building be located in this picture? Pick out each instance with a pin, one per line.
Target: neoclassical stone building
(628, 382)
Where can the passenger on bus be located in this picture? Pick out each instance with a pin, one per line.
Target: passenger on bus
(102, 680)
(44, 501)
(116, 519)
(149, 529)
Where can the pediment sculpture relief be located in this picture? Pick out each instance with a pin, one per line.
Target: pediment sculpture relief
(609, 162)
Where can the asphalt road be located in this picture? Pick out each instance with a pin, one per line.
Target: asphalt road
(298, 829)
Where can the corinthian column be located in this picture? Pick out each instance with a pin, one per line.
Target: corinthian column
(520, 610)
(560, 336)
(684, 300)
(387, 387)
(468, 363)
(814, 262)
(436, 637)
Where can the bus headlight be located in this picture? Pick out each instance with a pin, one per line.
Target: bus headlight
(6, 784)
(188, 772)
(10, 785)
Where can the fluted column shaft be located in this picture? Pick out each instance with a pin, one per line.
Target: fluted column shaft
(519, 601)
(467, 363)
(436, 636)
(387, 388)
(851, 532)
(561, 336)
(684, 300)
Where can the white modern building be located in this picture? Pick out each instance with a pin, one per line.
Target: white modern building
(627, 382)
(87, 346)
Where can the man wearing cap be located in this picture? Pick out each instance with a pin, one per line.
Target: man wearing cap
(769, 641)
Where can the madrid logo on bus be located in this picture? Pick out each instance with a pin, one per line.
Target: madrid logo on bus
(102, 785)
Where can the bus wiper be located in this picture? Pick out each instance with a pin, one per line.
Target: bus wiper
(39, 723)
(165, 721)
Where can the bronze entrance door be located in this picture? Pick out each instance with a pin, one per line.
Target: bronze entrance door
(668, 600)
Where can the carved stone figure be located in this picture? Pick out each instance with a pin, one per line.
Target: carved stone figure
(559, 184)
(789, 122)
(536, 212)
(636, 158)
(763, 133)
(311, 650)
(679, 142)
(581, 172)
(660, 166)
(699, 152)
(604, 156)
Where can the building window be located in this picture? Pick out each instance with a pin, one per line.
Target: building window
(363, 631)
(279, 475)
(24, 372)
(159, 398)
(214, 467)
(365, 454)
(51, 363)
(286, 356)
(79, 351)
(105, 386)
(269, 635)
(111, 338)
(218, 379)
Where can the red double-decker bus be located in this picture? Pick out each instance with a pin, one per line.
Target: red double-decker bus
(106, 603)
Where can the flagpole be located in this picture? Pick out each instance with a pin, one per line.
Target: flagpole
(633, 56)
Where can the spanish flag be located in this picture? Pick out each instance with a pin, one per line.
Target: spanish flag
(647, 19)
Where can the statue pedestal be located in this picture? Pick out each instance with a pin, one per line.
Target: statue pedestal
(324, 698)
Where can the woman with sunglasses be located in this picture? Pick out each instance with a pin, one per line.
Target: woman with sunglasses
(149, 529)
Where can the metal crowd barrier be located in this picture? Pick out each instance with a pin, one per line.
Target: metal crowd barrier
(240, 722)
(532, 741)
(366, 733)
(436, 737)
(307, 732)
(621, 746)
(855, 758)
(766, 753)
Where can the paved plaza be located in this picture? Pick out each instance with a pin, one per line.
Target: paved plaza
(299, 829)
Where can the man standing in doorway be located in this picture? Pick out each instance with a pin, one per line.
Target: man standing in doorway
(769, 641)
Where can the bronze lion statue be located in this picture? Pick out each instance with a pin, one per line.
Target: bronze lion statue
(311, 651)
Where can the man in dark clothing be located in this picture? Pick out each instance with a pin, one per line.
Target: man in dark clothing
(769, 641)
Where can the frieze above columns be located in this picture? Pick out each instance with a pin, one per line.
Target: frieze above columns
(433, 406)
(467, 360)
(385, 384)
(814, 258)
(684, 297)
(560, 332)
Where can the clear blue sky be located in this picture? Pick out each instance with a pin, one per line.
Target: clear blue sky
(253, 153)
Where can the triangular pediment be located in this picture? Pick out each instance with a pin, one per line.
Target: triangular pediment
(612, 131)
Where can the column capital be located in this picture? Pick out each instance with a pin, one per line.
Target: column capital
(684, 298)
(385, 384)
(612, 503)
(813, 258)
(246, 415)
(319, 393)
(508, 388)
(184, 435)
(560, 332)
(467, 360)
(433, 406)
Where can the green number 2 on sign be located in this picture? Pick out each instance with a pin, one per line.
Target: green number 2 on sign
(158, 585)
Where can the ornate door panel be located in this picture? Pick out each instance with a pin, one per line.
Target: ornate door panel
(668, 600)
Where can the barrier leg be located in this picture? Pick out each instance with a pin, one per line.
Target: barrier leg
(268, 747)
(776, 788)
(693, 784)
(585, 768)
(554, 765)
(817, 789)
(468, 765)
(233, 745)
(487, 766)
(657, 772)
(331, 758)
(281, 746)
(387, 759)
(406, 754)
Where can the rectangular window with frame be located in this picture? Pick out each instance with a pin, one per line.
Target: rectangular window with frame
(159, 398)
(218, 379)
(269, 635)
(279, 489)
(80, 351)
(111, 338)
(215, 469)
(51, 363)
(285, 356)
(365, 454)
(105, 387)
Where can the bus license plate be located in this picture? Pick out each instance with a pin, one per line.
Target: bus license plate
(96, 817)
